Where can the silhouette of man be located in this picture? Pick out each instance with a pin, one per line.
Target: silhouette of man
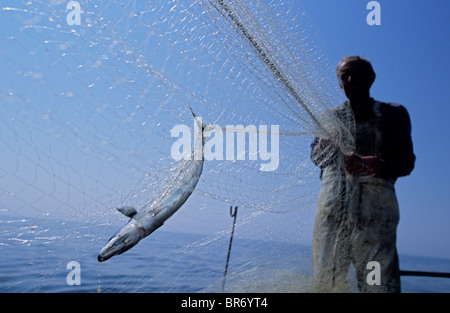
(357, 212)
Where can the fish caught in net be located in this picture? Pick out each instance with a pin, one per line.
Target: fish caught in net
(91, 93)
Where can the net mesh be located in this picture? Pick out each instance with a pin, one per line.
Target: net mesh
(87, 114)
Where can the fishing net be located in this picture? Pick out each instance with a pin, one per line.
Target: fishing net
(90, 92)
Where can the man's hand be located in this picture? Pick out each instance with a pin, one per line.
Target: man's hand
(366, 165)
(353, 164)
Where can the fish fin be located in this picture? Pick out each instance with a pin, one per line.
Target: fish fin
(127, 211)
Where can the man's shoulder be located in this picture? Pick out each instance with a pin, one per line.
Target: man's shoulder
(392, 108)
(394, 114)
(390, 105)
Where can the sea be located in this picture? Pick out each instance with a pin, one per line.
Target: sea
(60, 257)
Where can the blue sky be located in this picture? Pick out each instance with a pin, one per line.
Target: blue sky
(409, 52)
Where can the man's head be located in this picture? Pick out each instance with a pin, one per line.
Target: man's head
(356, 76)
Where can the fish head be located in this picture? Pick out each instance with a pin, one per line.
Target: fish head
(125, 239)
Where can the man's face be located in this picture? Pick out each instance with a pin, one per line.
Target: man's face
(355, 80)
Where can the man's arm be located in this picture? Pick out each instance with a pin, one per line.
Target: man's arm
(398, 154)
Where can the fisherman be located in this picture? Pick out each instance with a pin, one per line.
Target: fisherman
(357, 213)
